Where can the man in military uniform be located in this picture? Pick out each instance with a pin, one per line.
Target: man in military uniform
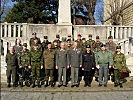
(84, 44)
(36, 62)
(49, 61)
(97, 44)
(111, 46)
(97, 49)
(75, 60)
(88, 66)
(45, 43)
(24, 66)
(57, 39)
(62, 63)
(90, 41)
(79, 41)
(34, 36)
(12, 64)
(69, 37)
(68, 48)
(119, 62)
(103, 60)
(18, 47)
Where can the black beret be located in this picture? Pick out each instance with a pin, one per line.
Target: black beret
(57, 36)
(118, 47)
(83, 39)
(103, 45)
(88, 46)
(45, 37)
(79, 35)
(49, 43)
(25, 44)
(34, 33)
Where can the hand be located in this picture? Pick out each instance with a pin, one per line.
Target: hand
(42, 67)
(56, 67)
(110, 66)
(80, 65)
(93, 68)
(68, 66)
(82, 68)
(20, 66)
(29, 67)
(98, 66)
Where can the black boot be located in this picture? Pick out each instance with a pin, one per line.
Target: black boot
(38, 84)
(121, 86)
(33, 84)
(21, 84)
(46, 85)
(116, 84)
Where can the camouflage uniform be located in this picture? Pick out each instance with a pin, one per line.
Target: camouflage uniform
(119, 61)
(24, 72)
(80, 43)
(32, 41)
(36, 62)
(91, 43)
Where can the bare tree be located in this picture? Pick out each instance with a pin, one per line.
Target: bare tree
(115, 10)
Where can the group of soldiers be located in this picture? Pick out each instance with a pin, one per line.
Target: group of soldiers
(48, 62)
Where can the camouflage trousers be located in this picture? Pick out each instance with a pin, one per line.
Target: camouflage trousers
(117, 78)
(36, 69)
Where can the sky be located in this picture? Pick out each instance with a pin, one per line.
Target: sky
(99, 8)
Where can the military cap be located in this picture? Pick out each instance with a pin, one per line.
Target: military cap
(118, 47)
(49, 43)
(79, 35)
(25, 44)
(69, 35)
(83, 39)
(88, 46)
(110, 37)
(57, 36)
(45, 37)
(34, 33)
(97, 37)
(90, 35)
(103, 45)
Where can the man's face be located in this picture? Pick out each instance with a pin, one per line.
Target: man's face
(110, 40)
(83, 41)
(90, 38)
(63, 46)
(55, 43)
(34, 35)
(103, 48)
(97, 40)
(79, 37)
(68, 43)
(88, 49)
(18, 42)
(57, 38)
(75, 45)
(49, 46)
(118, 50)
(69, 38)
(11, 49)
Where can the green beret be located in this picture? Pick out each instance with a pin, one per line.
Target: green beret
(110, 37)
(118, 47)
(25, 44)
(97, 37)
(90, 35)
(83, 39)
